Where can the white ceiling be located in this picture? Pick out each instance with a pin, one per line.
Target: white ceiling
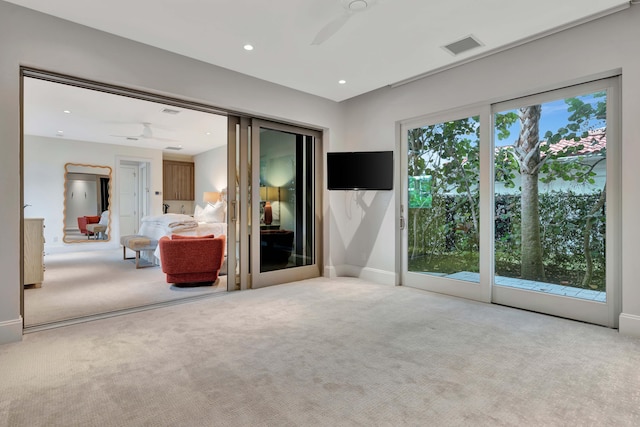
(100, 117)
(389, 42)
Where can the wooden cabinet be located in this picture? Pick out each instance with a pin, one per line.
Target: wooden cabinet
(33, 251)
(178, 180)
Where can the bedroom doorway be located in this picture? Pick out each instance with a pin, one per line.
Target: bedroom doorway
(239, 159)
(72, 121)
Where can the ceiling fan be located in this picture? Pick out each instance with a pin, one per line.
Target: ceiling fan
(350, 8)
(147, 133)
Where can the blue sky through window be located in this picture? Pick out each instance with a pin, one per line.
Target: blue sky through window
(554, 116)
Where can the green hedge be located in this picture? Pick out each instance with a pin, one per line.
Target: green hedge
(447, 229)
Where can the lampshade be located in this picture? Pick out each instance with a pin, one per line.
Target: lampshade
(211, 196)
(270, 193)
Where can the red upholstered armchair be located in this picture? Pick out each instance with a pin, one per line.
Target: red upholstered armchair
(84, 220)
(192, 259)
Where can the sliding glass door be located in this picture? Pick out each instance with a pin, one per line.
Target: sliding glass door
(518, 203)
(275, 209)
(557, 198)
(441, 205)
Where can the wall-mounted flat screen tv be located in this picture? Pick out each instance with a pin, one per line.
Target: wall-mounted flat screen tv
(362, 170)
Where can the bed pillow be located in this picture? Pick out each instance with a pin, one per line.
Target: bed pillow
(198, 213)
(180, 236)
(104, 218)
(213, 212)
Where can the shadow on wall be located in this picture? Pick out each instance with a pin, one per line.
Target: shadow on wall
(371, 212)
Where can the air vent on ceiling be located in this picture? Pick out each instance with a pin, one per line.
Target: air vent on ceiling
(467, 43)
(173, 148)
(170, 111)
(131, 138)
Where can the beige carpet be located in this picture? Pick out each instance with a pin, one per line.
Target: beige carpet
(90, 282)
(323, 353)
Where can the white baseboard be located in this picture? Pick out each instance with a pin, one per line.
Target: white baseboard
(330, 272)
(629, 325)
(377, 276)
(11, 331)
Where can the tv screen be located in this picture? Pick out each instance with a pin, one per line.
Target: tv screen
(363, 170)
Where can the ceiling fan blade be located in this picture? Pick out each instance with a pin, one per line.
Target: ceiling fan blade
(165, 139)
(146, 130)
(331, 28)
(125, 136)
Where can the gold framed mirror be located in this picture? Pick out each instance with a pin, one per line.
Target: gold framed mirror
(87, 203)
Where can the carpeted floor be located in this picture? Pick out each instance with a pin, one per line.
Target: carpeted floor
(90, 282)
(322, 352)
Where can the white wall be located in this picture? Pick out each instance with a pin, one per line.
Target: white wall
(575, 55)
(81, 199)
(210, 172)
(44, 160)
(33, 39)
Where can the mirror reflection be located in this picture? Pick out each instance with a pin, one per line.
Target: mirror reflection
(87, 197)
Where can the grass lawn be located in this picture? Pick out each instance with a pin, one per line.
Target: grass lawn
(469, 261)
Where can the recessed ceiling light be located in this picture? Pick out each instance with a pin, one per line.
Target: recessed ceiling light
(67, 112)
(248, 47)
(342, 82)
(60, 133)
(358, 4)
(207, 133)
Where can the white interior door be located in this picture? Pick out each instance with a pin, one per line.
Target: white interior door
(128, 197)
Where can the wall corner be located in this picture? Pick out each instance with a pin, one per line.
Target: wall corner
(11, 331)
(629, 325)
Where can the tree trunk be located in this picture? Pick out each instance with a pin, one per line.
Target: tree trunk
(527, 150)
(415, 233)
(586, 243)
(531, 264)
(474, 215)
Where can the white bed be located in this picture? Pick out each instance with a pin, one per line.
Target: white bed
(155, 227)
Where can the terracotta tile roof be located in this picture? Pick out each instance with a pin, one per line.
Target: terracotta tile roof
(592, 144)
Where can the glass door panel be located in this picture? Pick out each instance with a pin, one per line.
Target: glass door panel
(287, 211)
(552, 204)
(442, 203)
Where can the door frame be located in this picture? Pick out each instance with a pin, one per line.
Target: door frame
(28, 72)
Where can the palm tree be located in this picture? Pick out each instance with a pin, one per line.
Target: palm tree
(527, 151)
